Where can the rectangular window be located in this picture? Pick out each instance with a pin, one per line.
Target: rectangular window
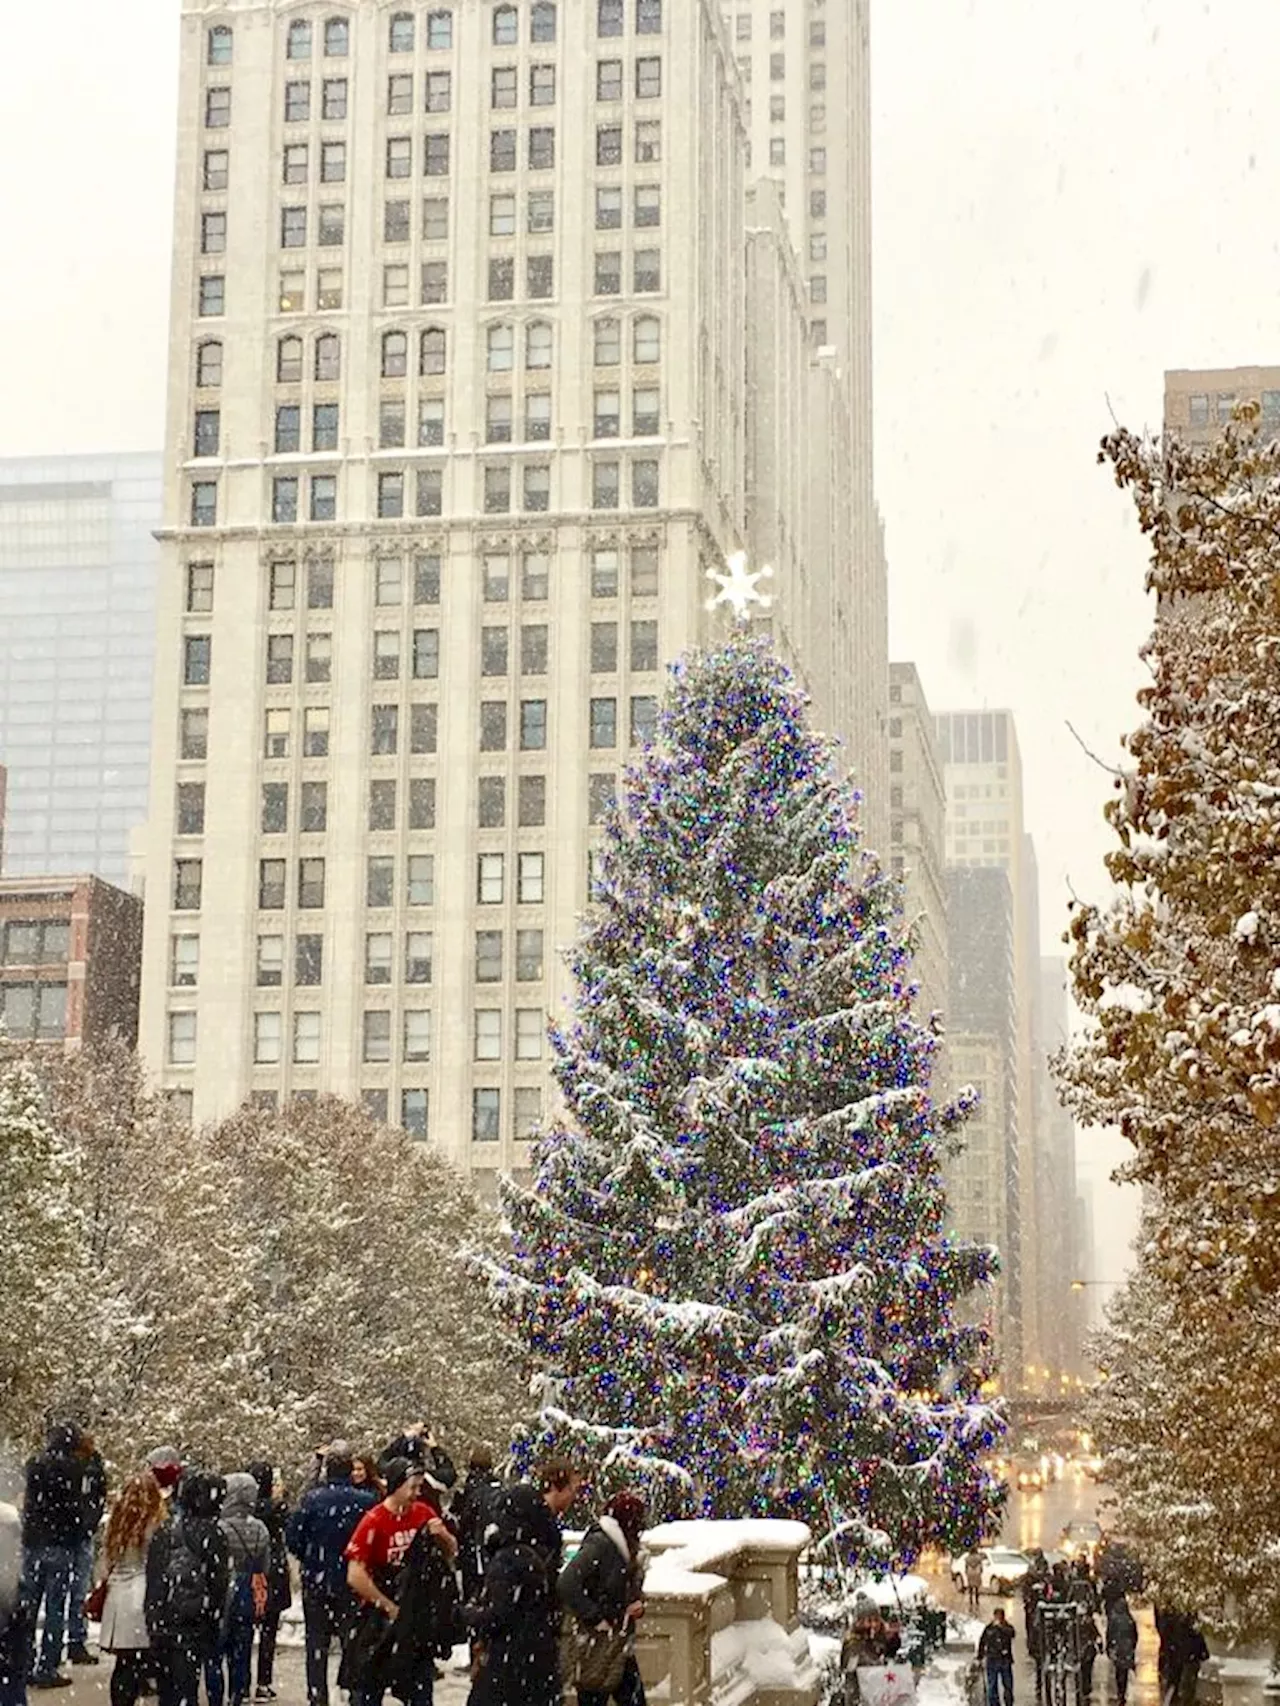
(644, 719)
(644, 412)
(644, 485)
(313, 808)
(528, 1112)
(608, 274)
(333, 99)
(604, 648)
(648, 17)
(384, 730)
(540, 211)
(532, 802)
(503, 86)
(502, 278)
(324, 497)
(609, 80)
(542, 85)
(537, 417)
(204, 503)
(439, 91)
(609, 17)
(377, 957)
(418, 948)
(199, 587)
(194, 734)
(377, 1037)
(530, 1026)
(395, 285)
(319, 665)
(435, 162)
(644, 571)
(421, 868)
(608, 145)
(430, 421)
(279, 660)
(190, 808)
(426, 654)
(284, 498)
(607, 417)
(604, 572)
(288, 437)
(497, 420)
(293, 227)
(271, 884)
(333, 225)
(268, 1033)
(531, 883)
(491, 802)
(488, 956)
(493, 725)
(502, 215)
(382, 805)
(497, 490)
(333, 163)
(213, 295)
(648, 205)
(395, 222)
(536, 482)
(488, 1033)
(644, 645)
(399, 94)
(315, 731)
(528, 956)
(533, 725)
(434, 283)
(430, 491)
(486, 1115)
(374, 1103)
(217, 163)
(311, 883)
(422, 802)
(399, 156)
(604, 723)
(417, 1035)
(206, 433)
(276, 735)
(648, 149)
(306, 1039)
(489, 879)
(184, 962)
(535, 576)
(217, 109)
(608, 208)
(324, 426)
(422, 728)
(648, 77)
(297, 103)
(502, 151)
(391, 495)
(494, 645)
(647, 270)
(413, 1112)
(435, 218)
(533, 649)
(308, 961)
(270, 962)
(601, 791)
(282, 584)
(197, 660)
(379, 881)
(604, 485)
(539, 276)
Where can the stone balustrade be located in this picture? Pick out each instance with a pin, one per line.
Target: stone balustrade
(722, 1625)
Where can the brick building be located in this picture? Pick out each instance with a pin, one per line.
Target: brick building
(70, 958)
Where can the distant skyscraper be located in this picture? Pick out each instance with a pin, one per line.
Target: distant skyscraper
(476, 372)
(983, 770)
(917, 830)
(78, 568)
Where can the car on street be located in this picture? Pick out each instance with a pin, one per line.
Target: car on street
(1082, 1539)
(1030, 1478)
(1002, 1569)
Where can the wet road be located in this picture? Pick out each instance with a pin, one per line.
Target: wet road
(1037, 1519)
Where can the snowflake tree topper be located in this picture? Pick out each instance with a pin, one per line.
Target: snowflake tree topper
(737, 584)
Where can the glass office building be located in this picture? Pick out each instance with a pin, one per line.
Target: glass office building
(78, 567)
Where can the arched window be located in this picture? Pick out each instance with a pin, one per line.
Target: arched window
(328, 356)
(501, 349)
(608, 341)
(299, 40)
(400, 36)
(506, 26)
(647, 339)
(220, 45)
(543, 27)
(431, 354)
(337, 38)
(395, 355)
(537, 344)
(289, 361)
(209, 363)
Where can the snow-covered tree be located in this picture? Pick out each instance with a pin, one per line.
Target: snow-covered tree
(731, 1270)
(1180, 973)
(43, 1245)
(1185, 1419)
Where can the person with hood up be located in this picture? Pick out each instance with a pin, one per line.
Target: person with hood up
(603, 1586)
(1122, 1644)
(249, 1557)
(317, 1534)
(135, 1517)
(473, 1513)
(272, 1513)
(52, 1520)
(188, 1583)
(515, 1620)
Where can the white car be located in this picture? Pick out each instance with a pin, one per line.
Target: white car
(1002, 1569)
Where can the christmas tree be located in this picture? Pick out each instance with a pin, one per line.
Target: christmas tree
(730, 1271)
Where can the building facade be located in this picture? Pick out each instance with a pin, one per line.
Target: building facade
(1198, 402)
(70, 957)
(461, 421)
(78, 566)
(917, 830)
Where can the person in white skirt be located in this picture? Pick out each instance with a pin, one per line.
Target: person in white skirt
(136, 1515)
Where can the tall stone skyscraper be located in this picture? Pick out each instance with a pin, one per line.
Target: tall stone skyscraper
(476, 372)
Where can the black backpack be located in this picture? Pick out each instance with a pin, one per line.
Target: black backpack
(178, 1594)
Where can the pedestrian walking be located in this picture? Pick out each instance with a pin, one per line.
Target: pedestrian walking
(1121, 1644)
(603, 1587)
(515, 1619)
(317, 1534)
(272, 1512)
(92, 1503)
(136, 1515)
(973, 1580)
(1087, 1644)
(473, 1513)
(249, 1558)
(188, 1581)
(995, 1655)
(52, 1519)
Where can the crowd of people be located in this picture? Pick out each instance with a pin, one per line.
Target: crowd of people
(396, 1564)
(1073, 1613)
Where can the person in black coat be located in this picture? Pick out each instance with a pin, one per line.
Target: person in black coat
(473, 1513)
(52, 1525)
(418, 1444)
(995, 1655)
(515, 1620)
(93, 1502)
(188, 1587)
(272, 1512)
(603, 1583)
(317, 1534)
(1122, 1644)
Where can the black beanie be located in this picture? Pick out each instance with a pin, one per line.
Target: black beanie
(397, 1471)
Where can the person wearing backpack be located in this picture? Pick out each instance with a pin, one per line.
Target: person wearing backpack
(515, 1622)
(473, 1513)
(603, 1586)
(188, 1583)
(249, 1554)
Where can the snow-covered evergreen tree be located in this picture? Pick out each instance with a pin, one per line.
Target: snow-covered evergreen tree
(43, 1263)
(731, 1273)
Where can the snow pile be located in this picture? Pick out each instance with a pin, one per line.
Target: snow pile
(760, 1654)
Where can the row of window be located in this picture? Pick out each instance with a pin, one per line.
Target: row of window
(33, 1011)
(35, 942)
(486, 1108)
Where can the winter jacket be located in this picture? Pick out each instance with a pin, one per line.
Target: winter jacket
(473, 1512)
(1122, 1636)
(602, 1579)
(395, 1655)
(319, 1529)
(272, 1513)
(53, 1510)
(93, 1492)
(248, 1543)
(515, 1621)
(188, 1569)
(996, 1644)
(434, 1459)
(124, 1620)
(514, 1506)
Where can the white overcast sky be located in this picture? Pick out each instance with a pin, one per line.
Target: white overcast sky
(1068, 200)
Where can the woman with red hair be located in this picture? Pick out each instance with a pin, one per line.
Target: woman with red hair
(136, 1515)
(603, 1586)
